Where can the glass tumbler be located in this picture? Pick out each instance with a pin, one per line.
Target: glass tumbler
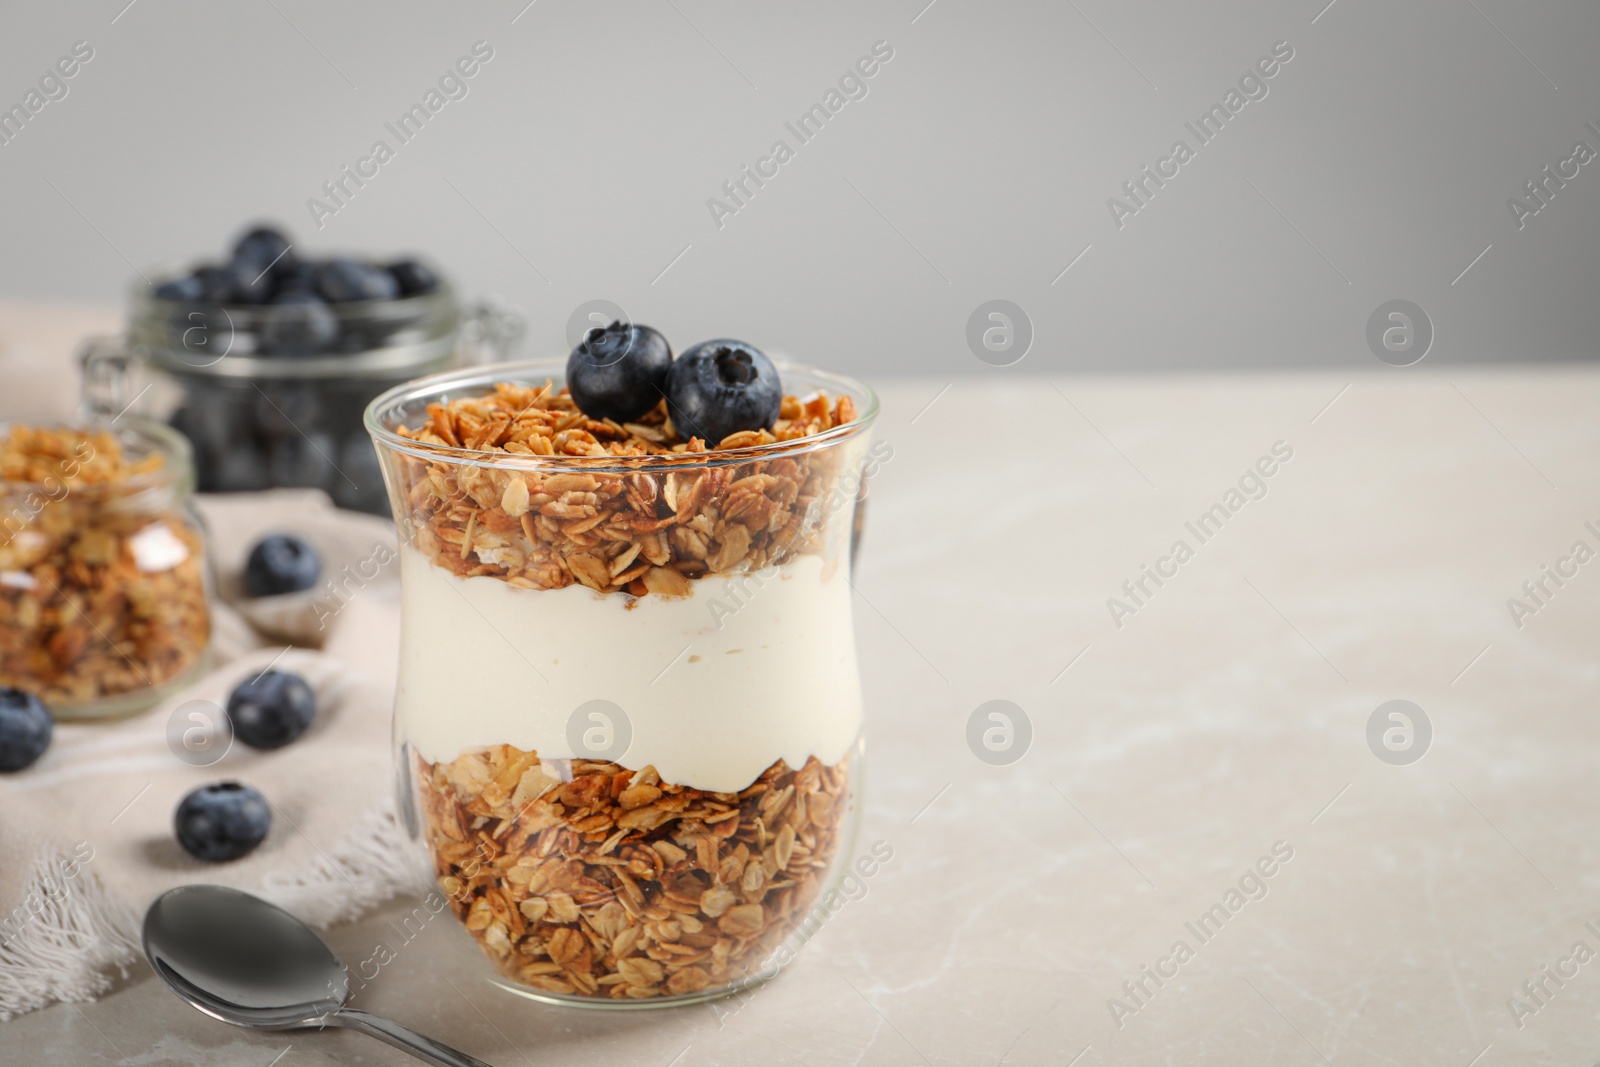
(628, 713)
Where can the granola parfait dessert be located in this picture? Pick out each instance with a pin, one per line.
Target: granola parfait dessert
(628, 715)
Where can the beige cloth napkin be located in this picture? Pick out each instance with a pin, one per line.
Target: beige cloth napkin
(86, 837)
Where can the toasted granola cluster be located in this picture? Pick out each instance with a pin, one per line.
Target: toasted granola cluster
(39, 456)
(586, 878)
(646, 531)
(102, 592)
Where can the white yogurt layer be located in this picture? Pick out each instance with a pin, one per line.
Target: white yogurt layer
(483, 663)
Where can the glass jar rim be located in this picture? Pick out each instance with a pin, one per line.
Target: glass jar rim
(437, 386)
(174, 472)
(440, 309)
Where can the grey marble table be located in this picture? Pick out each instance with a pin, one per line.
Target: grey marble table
(1203, 854)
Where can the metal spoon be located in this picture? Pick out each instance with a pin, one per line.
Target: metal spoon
(249, 963)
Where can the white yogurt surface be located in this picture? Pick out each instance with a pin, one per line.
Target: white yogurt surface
(483, 662)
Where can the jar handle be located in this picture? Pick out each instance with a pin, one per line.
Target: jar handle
(106, 390)
(490, 332)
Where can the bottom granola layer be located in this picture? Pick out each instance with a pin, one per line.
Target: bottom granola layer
(590, 879)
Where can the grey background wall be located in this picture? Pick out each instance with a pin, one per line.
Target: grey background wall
(978, 165)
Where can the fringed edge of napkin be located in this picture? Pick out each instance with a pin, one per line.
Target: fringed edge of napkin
(72, 931)
(64, 938)
(371, 864)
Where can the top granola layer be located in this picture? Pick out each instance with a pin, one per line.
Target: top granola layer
(544, 421)
(650, 531)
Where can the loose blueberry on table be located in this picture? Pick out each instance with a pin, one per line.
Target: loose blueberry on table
(619, 372)
(718, 388)
(222, 822)
(25, 728)
(271, 709)
(281, 563)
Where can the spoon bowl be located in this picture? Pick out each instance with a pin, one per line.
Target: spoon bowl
(244, 961)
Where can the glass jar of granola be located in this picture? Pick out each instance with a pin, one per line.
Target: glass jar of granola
(628, 716)
(103, 580)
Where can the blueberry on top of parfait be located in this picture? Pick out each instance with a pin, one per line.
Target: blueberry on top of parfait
(619, 372)
(718, 388)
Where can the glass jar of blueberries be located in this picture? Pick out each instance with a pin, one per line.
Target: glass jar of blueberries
(275, 355)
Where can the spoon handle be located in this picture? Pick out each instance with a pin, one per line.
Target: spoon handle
(423, 1048)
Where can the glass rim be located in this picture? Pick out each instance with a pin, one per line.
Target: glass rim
(522, 372)
(440, 311)
(176, 451)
